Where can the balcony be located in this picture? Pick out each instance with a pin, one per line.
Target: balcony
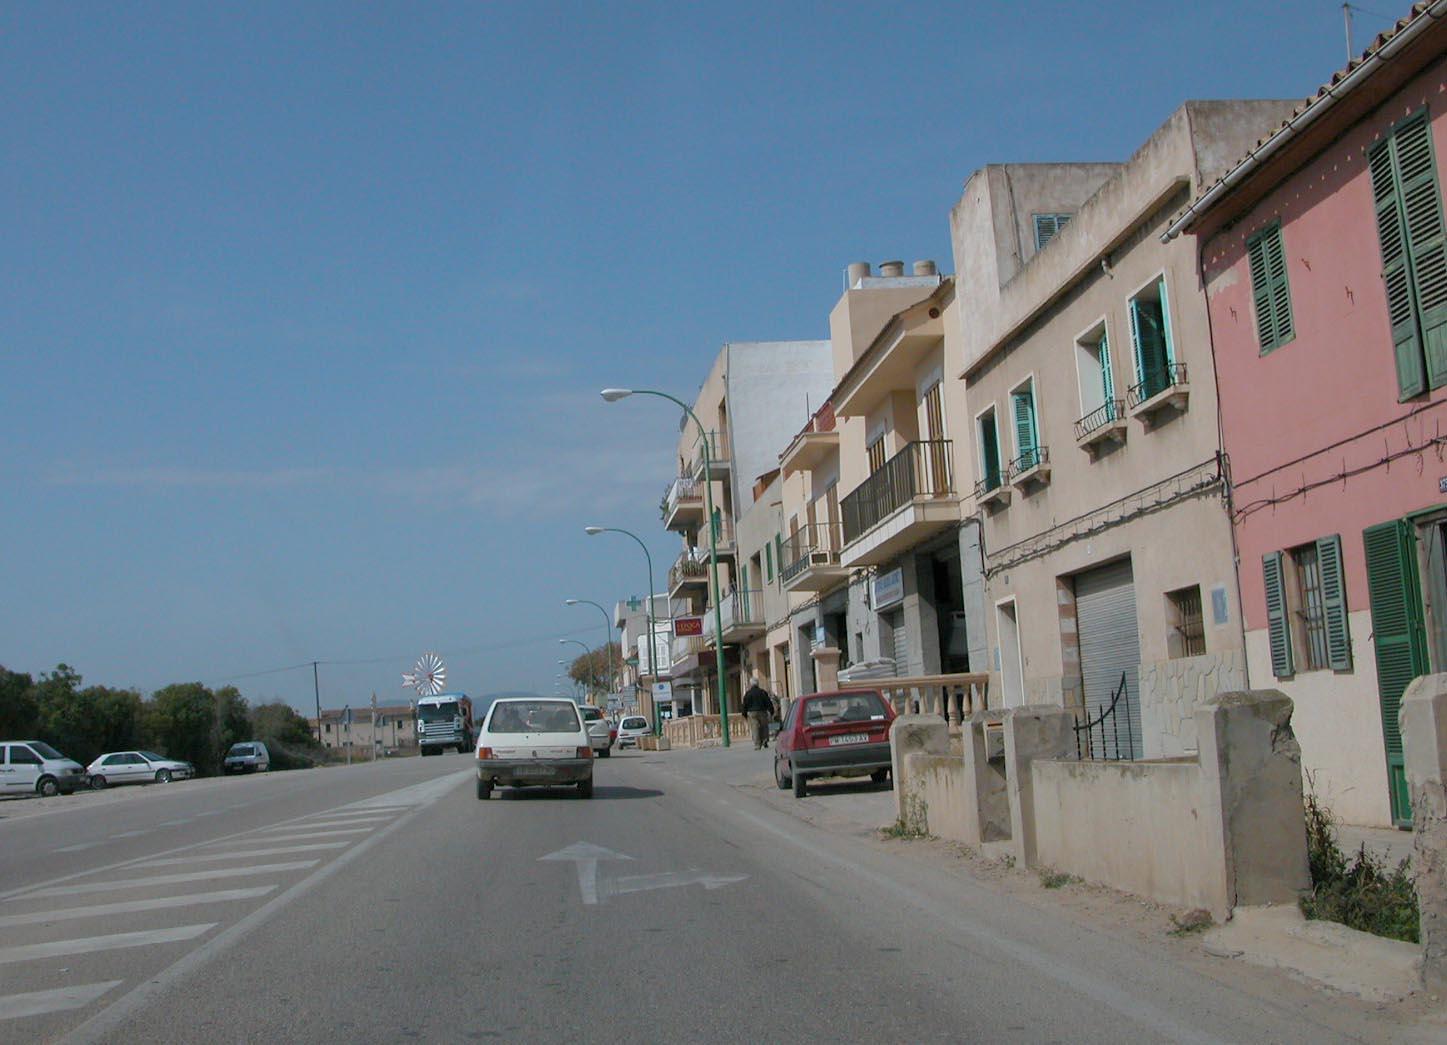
(690, 569)
(691, 654)
(814, 445)
(742, 613)
(718, 455)
(1101, 427)
(911, 497)
(723, 535)
(811, 558)
(1032, 468)
(1163, 393)
(991, 491)
(682, 506)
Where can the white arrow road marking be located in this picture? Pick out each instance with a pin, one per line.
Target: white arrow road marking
(169, 879)
(39, 1003)
(312, 847)
(586, 856)
(132, 906)
(670, 880)
(91, 944)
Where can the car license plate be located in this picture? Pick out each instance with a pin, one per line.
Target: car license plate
(849, 738)
(533, 771)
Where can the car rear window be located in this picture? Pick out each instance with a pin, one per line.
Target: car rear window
(534, 716)
(591, 714)
(242, 749)
(635, 723)
(844, 707)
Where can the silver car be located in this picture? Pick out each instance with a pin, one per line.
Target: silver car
(533, 742)
(631, 729)
(248, 757)
(137, 767)
(600, 730)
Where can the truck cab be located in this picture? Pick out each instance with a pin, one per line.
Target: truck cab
(444, 721)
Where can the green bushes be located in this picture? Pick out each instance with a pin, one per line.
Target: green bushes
(1360, 892)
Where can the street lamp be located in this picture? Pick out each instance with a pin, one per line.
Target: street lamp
(593, 531)
(607, 632)
(586, 652)
(612, 395)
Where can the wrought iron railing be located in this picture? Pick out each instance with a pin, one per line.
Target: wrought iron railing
(817, 544)
(992, 481)
(1099, 738)
(1032, 458)
(741, 608)
(921, 469)
(690, 566)
(1110, 410)
(718, 450)
(683, 490)
(1155, 381)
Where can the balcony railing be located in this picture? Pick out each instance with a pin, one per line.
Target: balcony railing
(992, 481)
(817, 544)
(921, 469)
(691, 566)
(683, 491)
(1155, 381)
(718, 451)
(742, 609)
(1110, 410)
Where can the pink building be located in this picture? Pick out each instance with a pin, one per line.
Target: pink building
(1322, 257)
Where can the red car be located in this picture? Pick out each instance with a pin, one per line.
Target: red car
(843, 733)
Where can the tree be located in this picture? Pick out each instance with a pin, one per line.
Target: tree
(189, 722)
(19, 709)
(594, 669)
(287, 735)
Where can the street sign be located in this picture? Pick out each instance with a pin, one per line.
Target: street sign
(685, 626)
(347, 715)
(663, 692)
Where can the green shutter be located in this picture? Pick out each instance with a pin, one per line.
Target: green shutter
(1150, 331)
(779, 551)
(1025, 434)
(1107, 379)
(1278, 627)
(1137, 342)
(1422, 208)
(990, 451)
(769, 559)
(1269, 289)
(1398, 638)
(1334, 603)
(1168, 343)
(1396, 273)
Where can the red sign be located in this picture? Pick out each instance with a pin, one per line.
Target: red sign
(683, 626)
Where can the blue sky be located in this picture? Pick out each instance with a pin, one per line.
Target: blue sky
(306, 305)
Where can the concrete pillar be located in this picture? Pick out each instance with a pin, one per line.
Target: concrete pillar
(1249, 757)
(985, 778)
(972, 584)
(1423, 719)
(1031, 731)
(911, 735)
(826, 667)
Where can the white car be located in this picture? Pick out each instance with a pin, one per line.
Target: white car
(137, 767)
(600, 730)
(531, 742)
(33, 767)
(630, 729)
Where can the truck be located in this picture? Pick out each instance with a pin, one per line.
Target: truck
(444, 721)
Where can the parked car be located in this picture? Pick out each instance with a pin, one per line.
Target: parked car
(601, 732)
(137, 767)
(630, 729)
(33, 767)
(534, 741)
(833, 734)
(248, 757)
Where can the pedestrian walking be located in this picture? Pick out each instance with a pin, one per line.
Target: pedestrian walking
(759, 709)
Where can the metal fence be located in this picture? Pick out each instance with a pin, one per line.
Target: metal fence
(1156, 380)
(1099, 738)
(921, 469)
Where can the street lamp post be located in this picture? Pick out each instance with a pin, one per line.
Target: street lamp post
(607, 634)
(593, 531)
(612, 395)
(566, 664)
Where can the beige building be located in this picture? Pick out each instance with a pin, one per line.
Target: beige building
(1091, 414)
(396, 729)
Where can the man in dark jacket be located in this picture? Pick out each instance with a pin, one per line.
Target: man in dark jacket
(759, 709)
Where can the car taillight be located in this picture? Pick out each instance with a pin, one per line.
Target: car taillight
(585, 752)
(484, 752)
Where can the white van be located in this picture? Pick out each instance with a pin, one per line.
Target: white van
(33, 767)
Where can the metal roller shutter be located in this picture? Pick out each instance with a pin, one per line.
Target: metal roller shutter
(1110, 647)
(898, 640)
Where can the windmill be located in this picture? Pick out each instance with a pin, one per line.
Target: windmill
(427, 676)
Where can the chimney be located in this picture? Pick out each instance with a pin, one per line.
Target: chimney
(891, 269)
(857, 271)
(925, 268)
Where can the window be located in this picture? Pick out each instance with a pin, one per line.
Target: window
(1414, 267)
(1306, 611)
(1098, 404)
(1027, 432)
(23, 756)
(769, 559)
(989, 449)
(875, 450)
(1150, 332)
(1269, 289)
(1047, 225)
(1187, 636)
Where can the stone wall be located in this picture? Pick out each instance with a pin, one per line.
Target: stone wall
(1171, 691)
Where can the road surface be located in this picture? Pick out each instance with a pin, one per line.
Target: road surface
(384, 901)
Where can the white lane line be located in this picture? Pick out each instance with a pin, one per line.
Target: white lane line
(209, 812)
(129, 834)
(133, 906)
(308, 825)
(78, 848)
(171, 861)
(90, 944)
(289, 836)
(174, 823)
(39, 1003)
(169, 879)
(364, 810)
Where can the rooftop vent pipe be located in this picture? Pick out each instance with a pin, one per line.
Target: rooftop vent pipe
(925, 268)
(891, 269)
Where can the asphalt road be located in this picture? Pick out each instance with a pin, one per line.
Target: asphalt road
(385, 902)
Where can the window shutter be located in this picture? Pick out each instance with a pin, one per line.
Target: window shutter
(1137, 341)
(769, 559)
(1269, 288)
(990, 451)
(1107, 379)
(1261, 293)
(1396, 276)
(1025, 425)
(1277, 627)
(1280, 288)
(1334, 603)
(1422, 209)
(1168, 347)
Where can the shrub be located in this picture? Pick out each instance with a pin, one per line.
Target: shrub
(1359, 892)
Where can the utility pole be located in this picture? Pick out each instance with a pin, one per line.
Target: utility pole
(317, 692)
(374, 725)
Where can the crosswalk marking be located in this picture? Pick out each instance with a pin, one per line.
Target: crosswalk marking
(78, 848)
(351, 810)
(334, 832)
(91, 944)
(309, 825)
(129, 834)
(133, 906)
(169, 879)
(278, 851)
(40, 1003)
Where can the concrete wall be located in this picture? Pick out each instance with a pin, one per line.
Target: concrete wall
(1424, 738)
(1172, 690)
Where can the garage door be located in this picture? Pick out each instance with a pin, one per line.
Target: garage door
(1109, 649)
